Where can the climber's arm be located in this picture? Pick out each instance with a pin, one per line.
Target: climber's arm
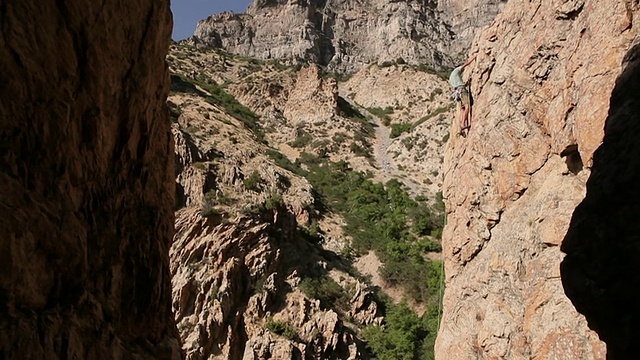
(469, 61)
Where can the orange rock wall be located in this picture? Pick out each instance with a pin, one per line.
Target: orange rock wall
(541, 83)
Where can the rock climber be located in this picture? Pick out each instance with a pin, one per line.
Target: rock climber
(461, 94)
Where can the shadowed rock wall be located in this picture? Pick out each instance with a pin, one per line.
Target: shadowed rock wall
(600, 272)
(86, 187)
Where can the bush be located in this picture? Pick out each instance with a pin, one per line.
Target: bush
(284, 162)
(208, 210)
(438, 111)
(359, 150)
(340, 138)
(217, 96)
(385, 219)
(325, 289)
(274, 202)
(282, 329)
(399, 129)
(253, 182)
(402, 336)
(380, 112)
(302, 140)
(434, 93)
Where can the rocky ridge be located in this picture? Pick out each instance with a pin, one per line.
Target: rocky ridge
(235, 275)
(347, 35)
(541, 99)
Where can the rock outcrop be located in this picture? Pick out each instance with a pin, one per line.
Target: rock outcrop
(86, 181)
(343, 35)
(542, 83)
(240, 251)
(464, 19)
(600, 272)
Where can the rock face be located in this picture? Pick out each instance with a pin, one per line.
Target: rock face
(86, 181)
(542, 83)
(600, 272)
(465, 19)
(344, 35)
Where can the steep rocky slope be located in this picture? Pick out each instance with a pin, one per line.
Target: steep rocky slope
(542, 83)
(261, 264)
(241, 227)
(600, 272)
(86, 181)
(414, 109)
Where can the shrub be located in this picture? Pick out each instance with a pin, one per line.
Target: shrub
(284, 162)
(399, 129)
(274, 202)
(312, 232)
(434, 93)
(253, 182)
(208, 210)
(282, 329)
(308, 158)
(378, 217)
(438, 111)
(402, 336)
(339, 138)
(302, 140)
(217, 96)
(380, 112)
(325, 289)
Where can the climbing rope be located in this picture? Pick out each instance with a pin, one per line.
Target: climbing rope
(441, 284)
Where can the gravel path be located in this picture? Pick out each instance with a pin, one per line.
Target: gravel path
(387, 167)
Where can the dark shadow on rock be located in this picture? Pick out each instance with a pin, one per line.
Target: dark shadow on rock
(601, 272)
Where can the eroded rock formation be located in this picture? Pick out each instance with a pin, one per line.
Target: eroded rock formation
(600, 272)
(345, 35)
(240, 252)
(542, 83)
(86, 181)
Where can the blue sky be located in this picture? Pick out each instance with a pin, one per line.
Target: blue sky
(186, 13)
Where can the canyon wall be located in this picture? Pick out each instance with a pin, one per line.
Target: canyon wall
(86, 181)
(541, 83)
(600, 272)
(346, 35)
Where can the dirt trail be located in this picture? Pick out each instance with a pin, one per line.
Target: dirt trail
(387, 167)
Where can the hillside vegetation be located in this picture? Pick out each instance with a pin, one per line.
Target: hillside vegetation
(401, 229)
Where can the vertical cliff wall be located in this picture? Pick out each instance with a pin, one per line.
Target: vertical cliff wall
(344, 35)
(600, 272)
(464, 19)
(86, 180)
(542, 83)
